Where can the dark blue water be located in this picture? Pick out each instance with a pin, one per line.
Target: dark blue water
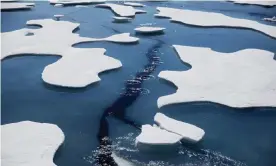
(233, 136)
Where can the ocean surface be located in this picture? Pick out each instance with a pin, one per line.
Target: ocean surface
(117, 106)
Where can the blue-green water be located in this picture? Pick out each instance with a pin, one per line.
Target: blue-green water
(233, 136)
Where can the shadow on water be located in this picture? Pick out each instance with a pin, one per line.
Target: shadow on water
(118, 108)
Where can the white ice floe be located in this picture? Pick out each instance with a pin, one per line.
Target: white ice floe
(134, 4)
(29, 143)
(121, 10)
(16, 6)
(149, 30)
(153, 137)
(58, 16)
(121, 19)
(58, 42)
(273, 19)
(121, 161)
(81, 6)
(209, 19)
(268, 3)
(188, 132)
(79, 67)
(76, 2)
(246, 78)
(58, 5)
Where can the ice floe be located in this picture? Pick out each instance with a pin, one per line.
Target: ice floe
(121, 19)
(245, 78)
(76, 2)
(188, 132)
(16, 6)
(58, 16)
(267, 3)
(273, 19)
(79, 67)
(29, 143)
(134, 4)
(121, 10)
(149, 30)
(155, 138)
(58, 5)
(59, 42)
(121, 161)
(209, 19)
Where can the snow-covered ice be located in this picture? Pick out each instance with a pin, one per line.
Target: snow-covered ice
(121, 10)
(16, 6)
(149, 30)
(121, 19)
(155, 138)
(245, 78)
(58, 16)
(273, 19)
(134, 4)
(29, 143)
(58, 5)
(121, 161)
(268, 3)
(58, 42)
(76, 2)
(188, 132)
(79, 67)
(209, 19)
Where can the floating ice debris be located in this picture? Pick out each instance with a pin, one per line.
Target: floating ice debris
(134, 4)
(76, 2)
(246, 78)
(29, 143)
(58, 5)
(154, 138)
(121, 161)
(81, 6)
(59, 42)
(149, 30)
(273, 19)
(121, 19)
(58, 16)
(188, 132)
(209, 19)
(16, 6)
(134, 91)
(121, 10)
(79, 67)
(267, 3)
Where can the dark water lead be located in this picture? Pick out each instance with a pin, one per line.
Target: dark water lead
(132, 90)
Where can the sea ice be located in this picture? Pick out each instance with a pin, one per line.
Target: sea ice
(134, 4)
(268, 3)
(273, 19)
(121, 161)
(58, 42)
(149, 30)
(58, 5)
(76, 2)
(29, 143)
(121, 10)
(209, 19)
(155, 138)
(16, 6)
(246, 78)
(121, 19)
(79, 67)
(188, 132)
(58, 16)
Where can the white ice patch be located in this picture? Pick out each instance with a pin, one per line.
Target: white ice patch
(246, 78)
(79, 67)
(149, 30)
(152, 137)
(188, 132)
(16, 6)
(121, 10)
(268, 3)
(76, 2)
(29, 143)
(273, 19)
(58, 16)
(57, 42)
(209, 19)
(121, 161)
(121, 19)
(133, 4)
